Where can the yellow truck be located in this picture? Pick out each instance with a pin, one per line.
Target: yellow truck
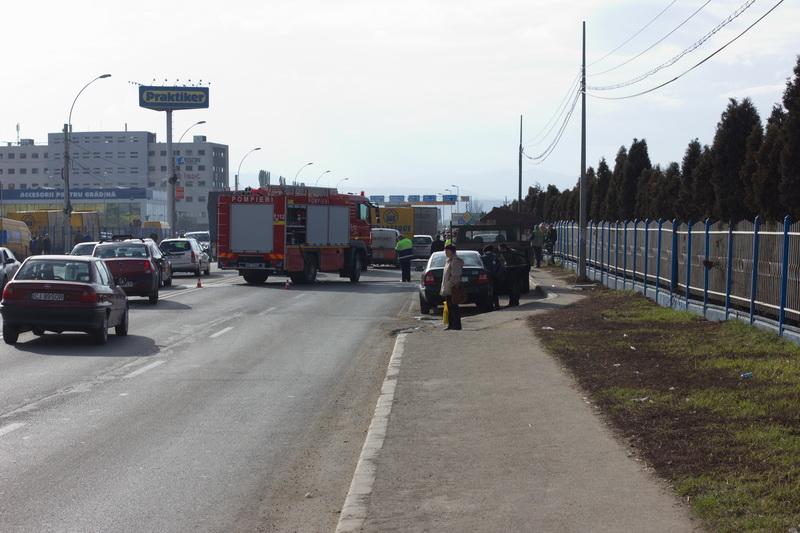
(399, 218)
(16, 236)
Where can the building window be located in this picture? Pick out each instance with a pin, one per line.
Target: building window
(201, 198)
(45, 155)
(95, 154)
(151, 153)
(35, 155)
(151, 183)
(122, 170)
(23, 171)
(11, 171)
(188, 152)
(151, 168)
(23, 155)
(134, 170)
(176, 152)
(1, 171)
(34, 171)
(201, 167)
(11, 186)
(121, 155)
(109, 155)
(23, 186)
(189, 167)
(201, 183)
(35, 185)
(163, 168)
(189, 199)
(163, 153)
(11, 156)
(134, 155)
(201, 152)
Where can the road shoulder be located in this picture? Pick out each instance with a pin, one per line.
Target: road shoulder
(488, 433)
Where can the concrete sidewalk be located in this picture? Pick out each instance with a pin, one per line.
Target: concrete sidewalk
(488, 433)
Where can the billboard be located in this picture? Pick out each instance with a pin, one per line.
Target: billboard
(397, 198)
(172, 98)
(414, 198)
(57, 195)
(377, 198)
(429, 198)
(449, 198)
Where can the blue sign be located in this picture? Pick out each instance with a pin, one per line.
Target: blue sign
(378, 199)
(57, 195)
(170, 98)
(413, 198)
(429, 198)
(396, 199)
(449, 198)
(180, 160)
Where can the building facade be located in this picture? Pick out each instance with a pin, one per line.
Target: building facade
(107, 161)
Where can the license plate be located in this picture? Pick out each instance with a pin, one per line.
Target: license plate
(464, 279)
(48, 296)
(126, 284)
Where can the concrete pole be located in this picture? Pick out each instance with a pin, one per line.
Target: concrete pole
(583, 190)
(172, 218)
(67, 202)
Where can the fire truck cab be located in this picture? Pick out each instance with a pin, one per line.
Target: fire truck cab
(293, 231)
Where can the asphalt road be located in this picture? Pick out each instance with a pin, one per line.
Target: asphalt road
(229, 407)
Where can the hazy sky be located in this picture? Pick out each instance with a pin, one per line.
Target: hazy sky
(398, 96)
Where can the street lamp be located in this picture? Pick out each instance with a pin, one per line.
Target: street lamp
(340, 182)
(318, 177)
(300, 170)
(458, 196)
(67, 202)
(190, 127)
(236, 182)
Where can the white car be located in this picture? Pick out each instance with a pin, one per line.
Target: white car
(186, 255)
(9, 267)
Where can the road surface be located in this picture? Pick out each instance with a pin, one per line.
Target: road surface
(229, 407)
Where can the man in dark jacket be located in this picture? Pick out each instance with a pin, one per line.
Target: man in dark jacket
(496, 271)
(438, 244)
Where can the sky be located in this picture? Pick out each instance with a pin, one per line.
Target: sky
(396, 97)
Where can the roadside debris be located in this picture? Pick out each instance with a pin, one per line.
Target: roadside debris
(746, 375)
(548, 328)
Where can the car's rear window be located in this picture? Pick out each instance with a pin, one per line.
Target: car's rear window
(120, 250)
(176, 246)
(55, 270)
(422, 240)
(470, 260)
(199, 235)
(83, 249)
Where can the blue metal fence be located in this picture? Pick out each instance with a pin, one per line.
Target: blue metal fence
(748, 267)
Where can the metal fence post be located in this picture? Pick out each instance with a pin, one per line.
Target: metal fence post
(787, 223)
(658, 257)
(729, 277)
(706, 266)
(608, 256)
(616, 254)
(602, 240)
(635, 248)
(625, 257)
(689, 225)
(589, 246)
(646, 254)
(673, 277)
(754, 280)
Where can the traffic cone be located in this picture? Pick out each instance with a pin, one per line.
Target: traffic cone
(199, 282)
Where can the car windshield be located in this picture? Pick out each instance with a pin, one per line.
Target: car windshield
(176, 246)
(55, 270)
(120, 250)
(201, 236)
(422, 240)
(85, 248)
(473, 259)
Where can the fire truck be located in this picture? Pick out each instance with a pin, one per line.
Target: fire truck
(293, 231)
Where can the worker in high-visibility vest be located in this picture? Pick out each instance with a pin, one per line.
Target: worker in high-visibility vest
(404, 249)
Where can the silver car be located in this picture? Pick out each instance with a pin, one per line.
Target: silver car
(186, 255)
(421, 246)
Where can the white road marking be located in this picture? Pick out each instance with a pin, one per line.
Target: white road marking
(4, 430)
(354, 511)
(266, 311)
(143, 369)
(220, 332)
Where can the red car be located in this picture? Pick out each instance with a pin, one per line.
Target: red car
(63, 293)
(134, 267)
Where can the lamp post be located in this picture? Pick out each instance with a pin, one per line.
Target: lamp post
(67, 202)
(236, 182)
(300, 170)
(190, 127)
(318, 177)
(340, 182)
(458, 196)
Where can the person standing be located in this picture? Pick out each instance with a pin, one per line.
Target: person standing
(405, 252)
(46, 244)
(537, 242)
(451, 280)
(437, 245)
(493, 265)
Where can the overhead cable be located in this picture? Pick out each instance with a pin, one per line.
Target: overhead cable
(682, 74)
(542, 157)
(697, 44)
(557, 114)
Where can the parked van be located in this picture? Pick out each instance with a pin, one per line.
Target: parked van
(383, 242)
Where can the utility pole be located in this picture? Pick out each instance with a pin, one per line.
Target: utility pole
(519, 192)
(67, 201)
(583, 192)
(172, 179)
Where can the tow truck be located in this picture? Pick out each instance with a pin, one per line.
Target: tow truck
(293, 231)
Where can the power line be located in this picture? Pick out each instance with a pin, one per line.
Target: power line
(632, 37)
(559, 112)
(542, 157)
(682, 74)
(661, 40)
(733, 16)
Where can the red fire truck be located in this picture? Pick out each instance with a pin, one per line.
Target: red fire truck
(293, 231)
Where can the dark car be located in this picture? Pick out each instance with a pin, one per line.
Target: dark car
(134, 267)
(63, 293)
(474, 278)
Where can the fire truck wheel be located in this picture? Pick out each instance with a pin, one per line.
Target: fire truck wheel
(355, 271)
(255, 278)
(310, 271)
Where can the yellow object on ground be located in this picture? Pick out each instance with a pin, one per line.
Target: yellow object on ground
(445, 314)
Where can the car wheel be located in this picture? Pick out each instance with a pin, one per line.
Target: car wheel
(207, 271)
(38, 331)
(355, 271)
(121, 329)
(310, 272)
(255, 278)
(100, 335)
(424, 306)
(10, 334)
(168, 282)
(153, 298)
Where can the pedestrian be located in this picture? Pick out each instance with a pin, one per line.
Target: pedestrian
(46, 244)
(437, 245)
(405, 252)
(452, 290)
(87, 237)
(34, 245)
(494, 267)
(537, 242)
(550, 242)
(512, 277)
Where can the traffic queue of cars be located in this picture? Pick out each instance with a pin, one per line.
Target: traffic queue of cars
(88, 290)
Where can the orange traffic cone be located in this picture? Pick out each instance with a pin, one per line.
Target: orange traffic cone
(199, 282)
